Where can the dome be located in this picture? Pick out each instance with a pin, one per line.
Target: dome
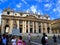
(46, 15)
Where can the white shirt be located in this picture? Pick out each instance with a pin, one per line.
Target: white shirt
(46, 37)
(13, 41)
(29, 37)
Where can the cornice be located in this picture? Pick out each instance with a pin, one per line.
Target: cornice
(10, 17)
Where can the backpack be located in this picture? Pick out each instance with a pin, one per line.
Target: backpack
(43, 41)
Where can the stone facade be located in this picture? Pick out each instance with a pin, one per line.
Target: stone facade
(56, 26)
(25, 22)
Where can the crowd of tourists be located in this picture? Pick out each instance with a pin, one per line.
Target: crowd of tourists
(17, 40)
(12, 40)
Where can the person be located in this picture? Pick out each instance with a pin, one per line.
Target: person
(55, 40)
(4, 40)
(1, 41)
(58, 36)
(24, 43)
(19, 41)
(13, 41)
(7, 39)
(46, 39)
(43, 41)
(29, 37)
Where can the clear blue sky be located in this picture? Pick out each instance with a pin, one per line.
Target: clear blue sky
(50, 7)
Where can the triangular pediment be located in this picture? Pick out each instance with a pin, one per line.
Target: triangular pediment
(31, 16)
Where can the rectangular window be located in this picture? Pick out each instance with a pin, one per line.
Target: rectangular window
(26, 31)
(48, 29)
(20, 30)
(39, 30)
(31, 30)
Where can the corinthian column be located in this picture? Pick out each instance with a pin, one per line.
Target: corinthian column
(45, 25)
(25, 26)
(17, 24)
(36, 27)
(33, 27)
(50, 28)
(28, 26)
(41, 27)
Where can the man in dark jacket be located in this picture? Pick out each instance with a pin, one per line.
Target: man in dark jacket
(55, 40)
(1, 41)
(43, 39)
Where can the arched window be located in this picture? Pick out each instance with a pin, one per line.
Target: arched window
(20, 30)
(27, 31)
(6, 29)
(39, 30)
(48, 29)
(31, 30)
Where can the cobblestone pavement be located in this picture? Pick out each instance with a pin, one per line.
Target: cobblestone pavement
(32, 43)
(50, 41)
(37, 41)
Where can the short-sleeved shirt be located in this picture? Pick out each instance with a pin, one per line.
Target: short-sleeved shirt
(29, 37)
(19, 42)
(13, 41)
(4, 41)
